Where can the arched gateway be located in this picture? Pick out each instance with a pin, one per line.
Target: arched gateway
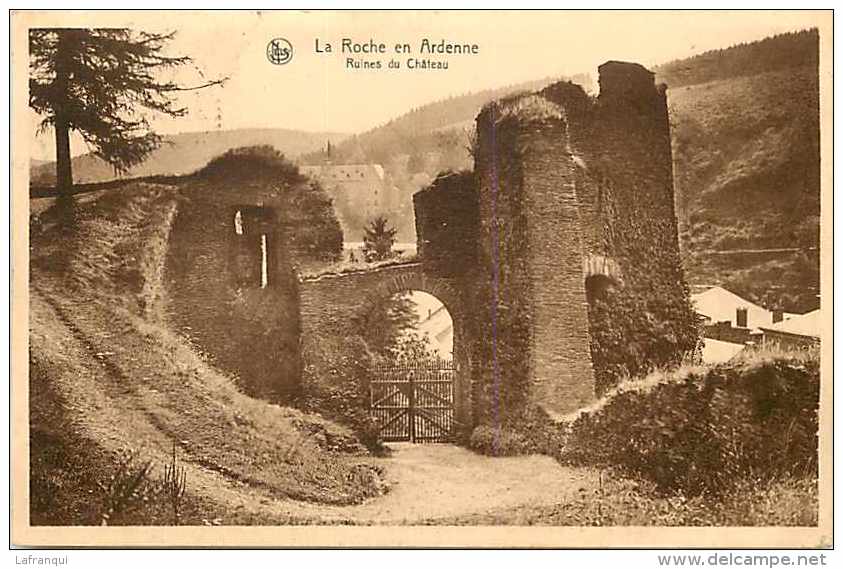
(333, 304)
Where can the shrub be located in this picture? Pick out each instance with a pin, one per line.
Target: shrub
(339, 390)
(126, 488)
(703, 430)
(251, 161)
(499, 441)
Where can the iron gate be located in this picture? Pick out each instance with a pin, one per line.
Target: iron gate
(414, 401)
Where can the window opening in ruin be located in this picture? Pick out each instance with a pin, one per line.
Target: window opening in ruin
(251, 249)
(264, 264)
(598, 287)
(238, 223)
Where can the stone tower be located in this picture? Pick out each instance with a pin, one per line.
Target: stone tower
(575, 197)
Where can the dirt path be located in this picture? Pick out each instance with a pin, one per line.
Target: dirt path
(439, 481)
(427, 482)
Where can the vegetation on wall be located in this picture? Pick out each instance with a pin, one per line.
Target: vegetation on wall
(639, 327)
(502, 307)
(701, 431)
(313, 234)
(447, 221)
(249, 331)
(644, 320)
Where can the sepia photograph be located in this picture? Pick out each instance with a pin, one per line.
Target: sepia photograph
(421, 278)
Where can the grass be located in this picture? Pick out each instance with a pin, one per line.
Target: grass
(109, 366)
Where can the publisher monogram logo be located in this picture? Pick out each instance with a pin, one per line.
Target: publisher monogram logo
(279, 51)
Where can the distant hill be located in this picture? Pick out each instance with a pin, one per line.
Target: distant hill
(419, 144)
(415, 131)
(783, 51)
(187, 152)
(746, 155)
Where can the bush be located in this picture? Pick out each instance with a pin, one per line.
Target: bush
(251, 161)
(499, 441)
(339, 389)
(704, 430)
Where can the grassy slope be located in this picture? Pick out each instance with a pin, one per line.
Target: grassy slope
(114, 377)
(746, 154)
(745, 159)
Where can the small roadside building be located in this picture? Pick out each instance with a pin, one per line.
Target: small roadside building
(730, 323)
(797, 332)
(717, 304)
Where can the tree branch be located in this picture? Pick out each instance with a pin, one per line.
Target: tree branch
(197, 87)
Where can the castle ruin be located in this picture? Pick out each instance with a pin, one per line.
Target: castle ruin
(561, 241)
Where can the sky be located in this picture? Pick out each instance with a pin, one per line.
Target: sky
(317, 92)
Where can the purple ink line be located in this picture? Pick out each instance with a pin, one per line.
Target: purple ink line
(496, 372)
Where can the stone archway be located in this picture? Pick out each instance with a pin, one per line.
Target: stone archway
(403, 280)
(331, 304)
(442, 290)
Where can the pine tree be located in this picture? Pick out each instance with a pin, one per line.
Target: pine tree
(378, 239)
(98, 82)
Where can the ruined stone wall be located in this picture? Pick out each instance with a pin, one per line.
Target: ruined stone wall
(447, 223)
(562, 378)
(213, 270)
(213, 278)
(503, 284)
(580, 276)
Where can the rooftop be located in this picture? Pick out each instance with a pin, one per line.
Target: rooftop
(720, 305)
(803, 325)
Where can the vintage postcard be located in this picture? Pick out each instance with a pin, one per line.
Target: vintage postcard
(422, 278)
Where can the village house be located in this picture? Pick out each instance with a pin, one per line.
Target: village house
(718, 305)
(438, 327)
(731, 322)
(796, 332)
